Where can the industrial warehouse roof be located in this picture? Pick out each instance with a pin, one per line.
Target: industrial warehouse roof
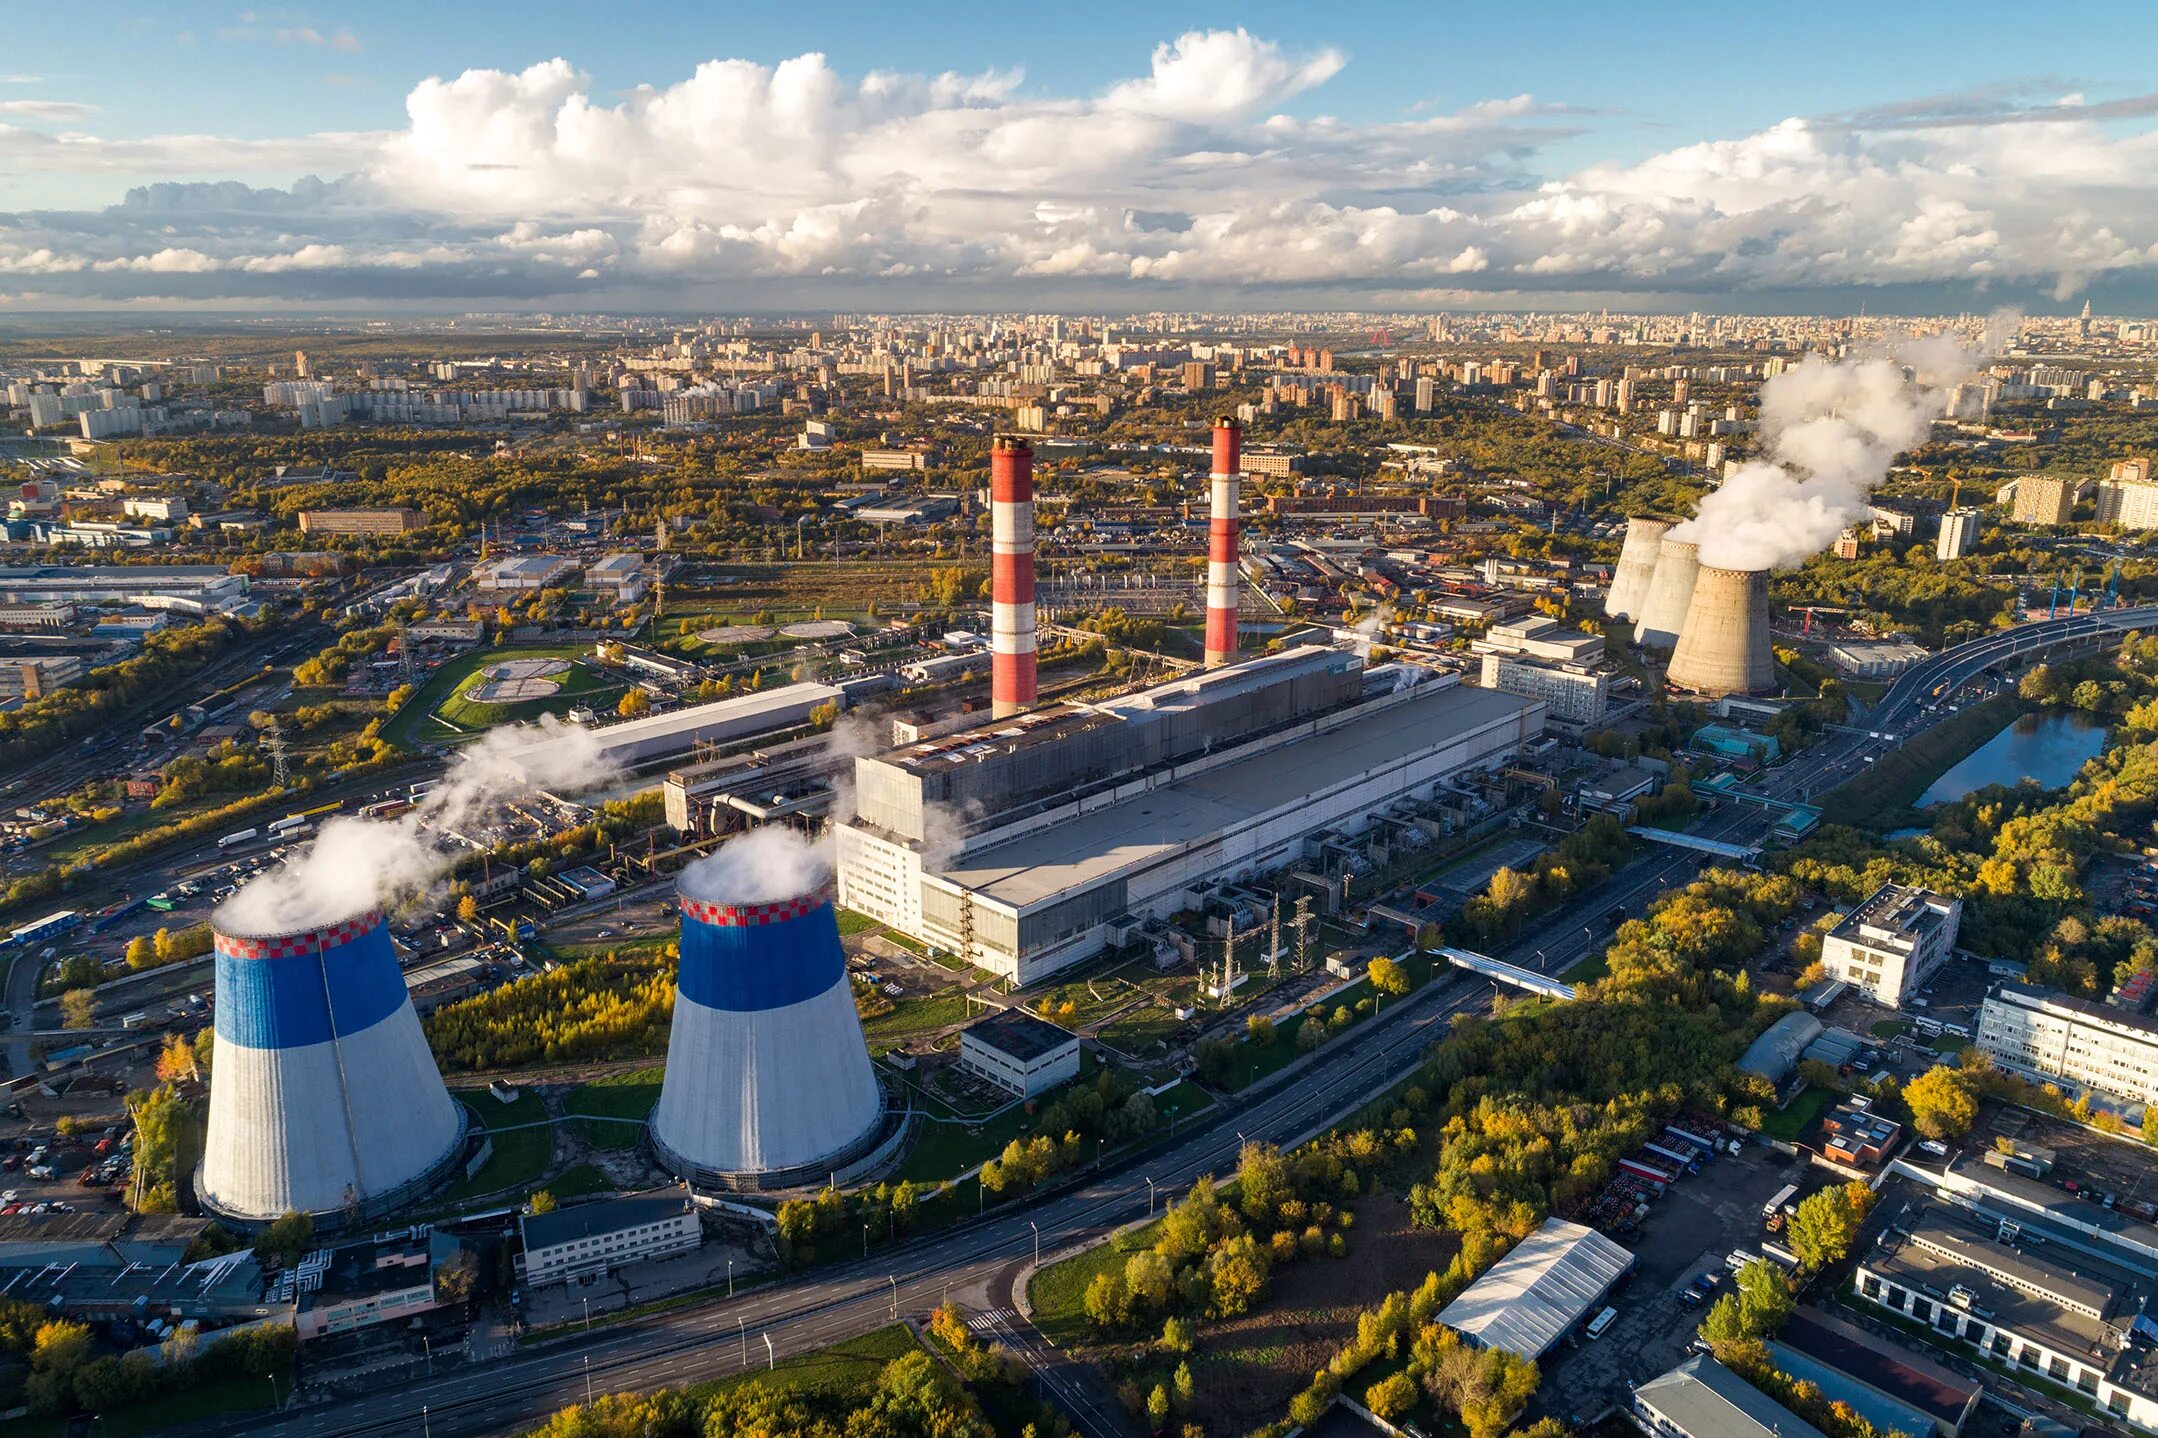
(1019, 1034)
(687, 722)
(1527, 1301)
(1703, 1399)
(1085, 850)
(602, 1217)
(1775, 1053)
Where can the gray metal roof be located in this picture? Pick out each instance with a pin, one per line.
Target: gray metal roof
(1526, 1301)
(1703, 1399)
(1775, 1053)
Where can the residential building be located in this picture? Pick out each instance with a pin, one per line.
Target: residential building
(1703, 1399)
(607, 1234)
(2064, 1318)
(1019, 1052)
(1573, 694)
(361, 521)
(2043, 499)
(1959, 533)
(2130, 503)
(32, 678)
(2056, 1037)
(1890, 945)
(1267, 461)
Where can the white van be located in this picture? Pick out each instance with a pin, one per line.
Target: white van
(1602, 1321)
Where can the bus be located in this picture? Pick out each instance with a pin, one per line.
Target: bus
(1602, 1322)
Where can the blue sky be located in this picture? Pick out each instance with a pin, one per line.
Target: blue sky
(195, 95)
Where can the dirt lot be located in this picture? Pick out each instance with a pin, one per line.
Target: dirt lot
(2121, 1167)
(1248, 1369)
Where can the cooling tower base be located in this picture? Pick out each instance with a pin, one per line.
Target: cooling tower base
(332, 1220)
(874, 1150)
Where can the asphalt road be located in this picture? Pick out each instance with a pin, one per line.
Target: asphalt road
(821, 1307)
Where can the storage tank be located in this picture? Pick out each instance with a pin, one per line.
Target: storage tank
(1670, 590)
(324, 1098)
(1636, 565)
(1723, 646)
(768, 1074)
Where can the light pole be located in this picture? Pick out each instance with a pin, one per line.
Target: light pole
(865, 1238)
(1149, 1196)
(730, 1278)
(588, 1313)
(893, 1279)
(427, 1429)
(428, 1348)
(588, 1380)
(771, 1361)
(744, 1333)
(1037, 1241)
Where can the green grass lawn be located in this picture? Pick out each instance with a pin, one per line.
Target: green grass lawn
(520, 1156)
(578, 683)
(942, 1151)
(913, 1016)
(579, 1180)
(1137, 1031)
(1885, 1028)
(617, 1096)
(844, 1374)
(415, 722)
(1058, 1292)
(1786, 1123)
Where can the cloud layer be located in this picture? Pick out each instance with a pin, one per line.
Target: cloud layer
(746, 181)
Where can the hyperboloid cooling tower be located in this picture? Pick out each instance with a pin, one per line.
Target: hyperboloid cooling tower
(1636, 565)
(1670, 591)
(324, 1098)
(1723, 647)
(767, 1070)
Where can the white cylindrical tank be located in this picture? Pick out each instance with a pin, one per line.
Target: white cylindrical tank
(767, 1070)
(1670, 592)
(1636, 565)
(324, 1098)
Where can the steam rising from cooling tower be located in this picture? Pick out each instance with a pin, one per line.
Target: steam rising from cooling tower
(1012, 684)
(1636, 565)
(768, 1076)
(1670, 592)
(1723, 648)
(1829, 430)
(1222, 529)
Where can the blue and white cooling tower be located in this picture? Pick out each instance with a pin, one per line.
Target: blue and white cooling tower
(324, 1098)
(767, 1070)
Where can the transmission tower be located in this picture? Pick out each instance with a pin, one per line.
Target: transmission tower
(274, 740)
(1303, 932)
(1273, 940)
(404, 655)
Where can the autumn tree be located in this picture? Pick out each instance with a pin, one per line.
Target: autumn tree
(1942, 1102)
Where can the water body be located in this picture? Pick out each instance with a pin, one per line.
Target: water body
(2049, 748)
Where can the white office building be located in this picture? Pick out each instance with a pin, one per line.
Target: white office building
(1890, 945)
(607, 1234)
(2057, 1038)
(1573, 694)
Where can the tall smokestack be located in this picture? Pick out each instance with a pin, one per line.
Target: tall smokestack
(768, 1078)
(1222, 578)
(324, 1098)
(1636, 564)
(1670, 591)
(1011, 577)
(1723, 647)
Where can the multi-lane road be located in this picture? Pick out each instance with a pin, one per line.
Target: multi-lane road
(977, 1258)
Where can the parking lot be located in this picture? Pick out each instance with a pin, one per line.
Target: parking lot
(1688, 1232)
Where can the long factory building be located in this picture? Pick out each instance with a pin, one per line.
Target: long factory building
(1044, 828)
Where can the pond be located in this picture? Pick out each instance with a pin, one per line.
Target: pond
(2049, 748)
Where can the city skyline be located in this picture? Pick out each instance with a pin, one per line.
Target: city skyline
(1276, 159)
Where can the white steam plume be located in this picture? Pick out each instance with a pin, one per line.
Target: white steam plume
(764, 866)
(1829, 431)
(358, 864)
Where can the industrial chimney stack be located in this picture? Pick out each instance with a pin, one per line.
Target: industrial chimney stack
(1222, 577)
(324, 1098)
(1636, 566)
(1723, 646)
(768, 1079)
(1012, 683)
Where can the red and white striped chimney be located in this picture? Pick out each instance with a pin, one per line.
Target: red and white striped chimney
(1011, 576)
(1222, 578)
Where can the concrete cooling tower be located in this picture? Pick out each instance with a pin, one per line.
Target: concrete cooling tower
(1670, 591)
(1723, 646)
(324, 1098)
(1636, 565)
(767, 1071)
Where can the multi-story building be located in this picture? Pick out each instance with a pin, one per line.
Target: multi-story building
(607, 1234)
(524, 572)
(167, 507)
(2067, 1319)
(2128, 502)
(54, 617)
(361, 521)
(23, 678)
(1959, 533)
(1016, 1051)
(2043, 499)
(1703, 1399)
(1573, 694)
(2059, 1038)
(1890, 945)
(1537, 637)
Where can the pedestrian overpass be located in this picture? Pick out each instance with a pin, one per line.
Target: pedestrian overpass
(1737, 853)
(1540, 984)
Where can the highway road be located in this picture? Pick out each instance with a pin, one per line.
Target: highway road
(722, 1336)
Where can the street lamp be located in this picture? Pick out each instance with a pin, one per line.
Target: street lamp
(865, 1238)
(730, 1278)
(588, 1313)
(893, 1279)
(1149, 1196)
(771, 1361)
(427, 1347)
(744, 1332)
(588, 1380)
(1037, 1241)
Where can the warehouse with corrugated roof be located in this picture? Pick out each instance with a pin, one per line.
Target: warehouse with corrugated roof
(1530, 1299)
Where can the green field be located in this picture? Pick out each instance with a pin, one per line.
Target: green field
(844, 1374)
(915, 1016)
(1789, 1121)
(1058, 1292)
(415, 724)
(520, 1156)
(618, 1097)
(466, 712)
